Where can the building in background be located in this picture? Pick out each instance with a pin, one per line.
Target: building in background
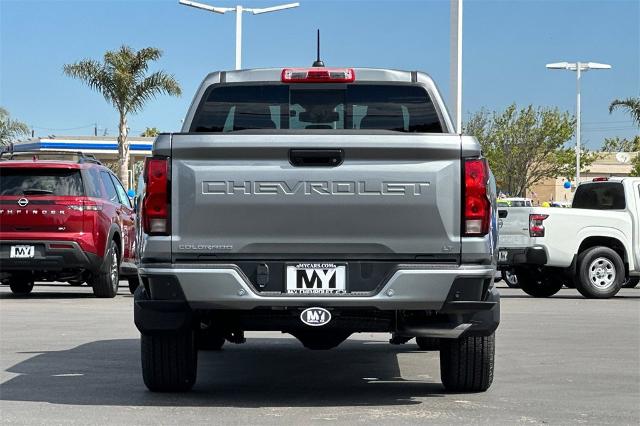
(610, 164)
(104, 148)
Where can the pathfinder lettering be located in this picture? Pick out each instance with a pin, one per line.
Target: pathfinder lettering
(230, 187)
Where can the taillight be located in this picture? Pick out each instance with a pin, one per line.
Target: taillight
(477, 208)
(318, 75)
(155, 207)
(536, 225)
(600, 179)
(85, 206)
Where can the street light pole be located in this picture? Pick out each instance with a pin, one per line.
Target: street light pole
(239, 10)
(238, 37)
(578, 67)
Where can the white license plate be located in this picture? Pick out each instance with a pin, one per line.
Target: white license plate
(22, 252)
(316, 278)
(502, 256)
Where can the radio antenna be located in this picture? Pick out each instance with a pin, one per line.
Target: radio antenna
(318, 62)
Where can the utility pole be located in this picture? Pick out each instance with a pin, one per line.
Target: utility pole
(456, 63)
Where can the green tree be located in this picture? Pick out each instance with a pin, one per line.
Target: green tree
(150, 132)
(625, 145)
(123, 81)
(525, 146)
(10, 129)
(631, 105)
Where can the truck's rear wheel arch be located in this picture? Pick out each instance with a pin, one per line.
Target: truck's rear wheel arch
(610, 242)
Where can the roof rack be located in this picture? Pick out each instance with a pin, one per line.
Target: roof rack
(10, 153)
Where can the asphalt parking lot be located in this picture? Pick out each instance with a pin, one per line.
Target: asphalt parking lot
(67, 357)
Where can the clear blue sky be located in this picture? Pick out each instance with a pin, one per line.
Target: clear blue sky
(506, 45)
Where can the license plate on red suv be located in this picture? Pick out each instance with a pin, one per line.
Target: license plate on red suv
(22, 252)
(316, 278)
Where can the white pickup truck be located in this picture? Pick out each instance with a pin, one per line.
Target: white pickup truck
(594, 246)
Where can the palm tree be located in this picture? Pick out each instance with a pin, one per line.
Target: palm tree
(632, 105)
(10, 130)
(123, 81)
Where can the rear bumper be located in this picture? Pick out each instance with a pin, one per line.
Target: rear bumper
(50, 255)
(521, 256)
(459, 299)
(227, 287)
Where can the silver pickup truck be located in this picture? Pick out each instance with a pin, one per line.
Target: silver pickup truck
(318, 202)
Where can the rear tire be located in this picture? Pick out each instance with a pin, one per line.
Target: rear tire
(631, 282)
(428, 343)
(134, 282)
(538, 283)
(600, 273)
(21, 286)
(510, 278)
(467, 363)
(169, 361)
(105, 282)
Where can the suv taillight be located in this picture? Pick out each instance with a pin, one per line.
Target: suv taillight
(477, 208)
(536, 225)
(155, 207)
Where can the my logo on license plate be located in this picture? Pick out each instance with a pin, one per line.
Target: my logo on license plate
(316, 278)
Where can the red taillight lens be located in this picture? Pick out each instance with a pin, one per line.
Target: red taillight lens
(536, 225)
(155, 207)
(318, 75)
(477, 208)
(600, 179)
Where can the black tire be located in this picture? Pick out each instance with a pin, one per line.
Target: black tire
(600, 273)
(631, 282)
(467, 363)
(538, 283)
(169, 361)
(21, 286)
(134, 282)
(510, 278)
(321, 340)
(105, 282)
(428, 343)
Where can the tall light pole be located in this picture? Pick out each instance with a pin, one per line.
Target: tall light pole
(238, 9)
(578, 67)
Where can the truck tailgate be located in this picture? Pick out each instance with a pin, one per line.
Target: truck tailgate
(239, 195)
(514, 228)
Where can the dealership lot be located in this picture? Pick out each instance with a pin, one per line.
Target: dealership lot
(68, 357)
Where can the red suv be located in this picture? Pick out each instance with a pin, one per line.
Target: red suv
(64, 217)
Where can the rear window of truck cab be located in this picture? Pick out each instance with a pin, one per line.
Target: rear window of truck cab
(396, 107)
(600, 196)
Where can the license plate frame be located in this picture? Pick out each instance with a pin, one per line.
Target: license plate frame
(22, 252)
(315, 278)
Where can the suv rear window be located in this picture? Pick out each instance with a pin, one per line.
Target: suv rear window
(600, 196)
(401, 108)
(40, 182)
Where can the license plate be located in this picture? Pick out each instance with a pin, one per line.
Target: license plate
(502, 256)
(316, 278)
(22, 252)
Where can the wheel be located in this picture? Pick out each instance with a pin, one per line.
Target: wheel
(509, 276)
(428, 343)
(21, 285)
(134, 282)
(631, 282)
(600, 273)
(169, 361)
(105, 282)
(209, 340)
(321, 340)
(466, 363)
(538, 283)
